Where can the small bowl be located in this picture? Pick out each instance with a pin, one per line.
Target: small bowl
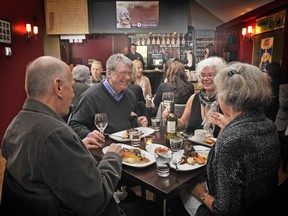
(149, 139)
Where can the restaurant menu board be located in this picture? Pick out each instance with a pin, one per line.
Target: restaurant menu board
(137, 14)
(5, 31)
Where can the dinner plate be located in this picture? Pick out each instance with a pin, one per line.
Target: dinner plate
(150, 157)
(186, 167)
(151, 147)
(118, 136)
(193, 139)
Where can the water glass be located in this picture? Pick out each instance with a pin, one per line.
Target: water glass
(163, 163)
(176, 144)
(135, 137)
(156, 123)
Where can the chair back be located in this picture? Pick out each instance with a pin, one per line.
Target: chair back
(16, 201)
(179, 109)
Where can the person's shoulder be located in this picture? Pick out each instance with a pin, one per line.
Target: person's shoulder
(146, 78)
(134, 87)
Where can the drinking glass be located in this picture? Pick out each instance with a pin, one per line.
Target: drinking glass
(163, 163)
(101, 122)
(156, 123)
(213, 107)
(168, 98)
(176, 144)
(135, 137)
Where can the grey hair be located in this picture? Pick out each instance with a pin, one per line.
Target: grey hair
(243, 87)
(115, 59)
(81, 73)
(40, 75)
(216, 62)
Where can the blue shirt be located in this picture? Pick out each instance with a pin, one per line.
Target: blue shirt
(116, 96)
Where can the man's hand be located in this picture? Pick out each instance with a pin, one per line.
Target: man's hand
(115, 148)
(96, 138)
(91, 143)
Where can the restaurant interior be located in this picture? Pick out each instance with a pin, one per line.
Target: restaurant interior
(79, 31)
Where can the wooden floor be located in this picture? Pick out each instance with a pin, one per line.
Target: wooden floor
(282, 177)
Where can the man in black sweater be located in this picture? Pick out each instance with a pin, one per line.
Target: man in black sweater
(111, 97)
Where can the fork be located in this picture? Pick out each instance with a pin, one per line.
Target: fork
(174, 162)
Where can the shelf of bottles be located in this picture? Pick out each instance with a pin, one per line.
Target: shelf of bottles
(188, 42)
(163, 40)
(201, 43)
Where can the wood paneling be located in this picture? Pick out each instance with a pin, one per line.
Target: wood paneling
(66, 17)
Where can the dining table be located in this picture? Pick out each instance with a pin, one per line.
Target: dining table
(163, 188)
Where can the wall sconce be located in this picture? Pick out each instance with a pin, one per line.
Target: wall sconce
(28, 31)
(249, 31)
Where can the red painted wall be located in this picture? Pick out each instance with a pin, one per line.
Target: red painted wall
(99, 47)
(12, 92)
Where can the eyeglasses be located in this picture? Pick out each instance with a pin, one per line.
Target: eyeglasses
(124, 74)
(209, 76)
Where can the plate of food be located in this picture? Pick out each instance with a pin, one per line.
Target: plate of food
(190, 158)
(208, 141)
(153, 148)
(135, 157)
(123, 136)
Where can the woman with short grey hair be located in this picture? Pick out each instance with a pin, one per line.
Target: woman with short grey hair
(80, 75)
(242, 87)
(242, 166)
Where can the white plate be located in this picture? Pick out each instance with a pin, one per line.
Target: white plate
(149, 156)
(118, 135)
(151, 147)
(186, 167)
(193, 139)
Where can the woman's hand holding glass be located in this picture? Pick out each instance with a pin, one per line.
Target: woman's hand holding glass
(219, 119)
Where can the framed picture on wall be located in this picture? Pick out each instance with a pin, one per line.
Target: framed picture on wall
(5, 31)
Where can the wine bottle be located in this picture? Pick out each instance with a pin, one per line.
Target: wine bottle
(171, 127)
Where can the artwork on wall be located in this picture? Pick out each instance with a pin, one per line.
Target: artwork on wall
(5, 31)
(266, 49)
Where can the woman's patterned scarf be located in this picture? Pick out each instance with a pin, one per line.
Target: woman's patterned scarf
(204, 99)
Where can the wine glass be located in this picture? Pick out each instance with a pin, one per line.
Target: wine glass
(101, 122)
(207, 125)
(168, 98)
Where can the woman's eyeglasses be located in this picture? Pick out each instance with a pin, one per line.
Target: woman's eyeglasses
(209, 76)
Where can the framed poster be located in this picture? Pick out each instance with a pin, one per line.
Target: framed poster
(266, 49)
(5, 31)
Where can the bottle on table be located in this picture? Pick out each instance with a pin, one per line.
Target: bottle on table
(171, 125)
